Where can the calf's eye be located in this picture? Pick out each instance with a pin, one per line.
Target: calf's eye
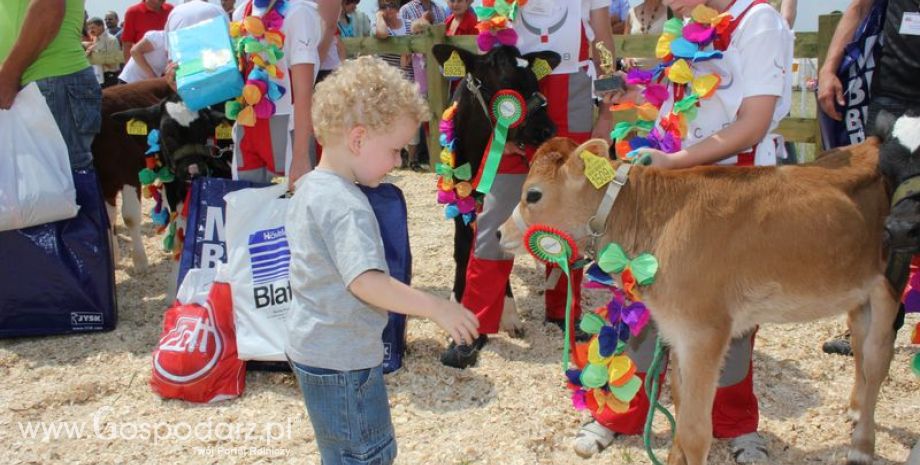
(534, 196)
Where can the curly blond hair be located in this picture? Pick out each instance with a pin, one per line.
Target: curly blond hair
(365, 91)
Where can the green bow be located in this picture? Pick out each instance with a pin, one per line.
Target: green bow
(272, 52)
(687, 106)
(463, 172)
(502, 8)
(674, 26)
(613, 259)
(623, 128)
(148, 176)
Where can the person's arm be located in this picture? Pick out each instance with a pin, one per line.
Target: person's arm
(137, 53)
(788, 10)
(329, 11)
(340, 49)
(600, 23)
(752, 124)
(381, 290)
(302, 93)
(43, 20)
(380, 27)
(830, 90)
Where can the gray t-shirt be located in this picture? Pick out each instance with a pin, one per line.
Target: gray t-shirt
(334, 237)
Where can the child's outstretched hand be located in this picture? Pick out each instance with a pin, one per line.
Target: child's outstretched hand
(459, 322)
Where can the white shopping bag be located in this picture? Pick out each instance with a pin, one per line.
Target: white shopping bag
(36, 184)
(258, 261)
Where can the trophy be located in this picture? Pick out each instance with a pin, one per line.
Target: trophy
(608, 81)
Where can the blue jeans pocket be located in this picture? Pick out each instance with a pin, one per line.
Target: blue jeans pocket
(86, 105)
(372, 405)
(325, 394)
(383, 453)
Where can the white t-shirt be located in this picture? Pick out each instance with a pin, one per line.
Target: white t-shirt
(758, 62)
(156, 58)
(302, 31)
(190, 14)
(331, 61)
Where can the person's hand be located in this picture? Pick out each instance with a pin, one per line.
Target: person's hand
(657, 158)
(380, 15)
(830, 94)
(428, 16)
(170, 75)
(459, 322)
(9, 87)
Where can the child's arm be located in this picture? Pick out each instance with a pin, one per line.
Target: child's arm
(752, 124)
(380, 290)
(302, 93)
(380, 26)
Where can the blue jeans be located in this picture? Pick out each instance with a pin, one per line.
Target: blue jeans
(75, 101)
(350, 414)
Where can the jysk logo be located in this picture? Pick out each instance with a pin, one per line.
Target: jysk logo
(270, 259)
(84, 318)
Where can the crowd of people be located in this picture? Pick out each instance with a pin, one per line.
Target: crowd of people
(62, 47)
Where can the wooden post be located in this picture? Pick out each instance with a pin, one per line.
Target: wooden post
(827, 24)
(437, 93)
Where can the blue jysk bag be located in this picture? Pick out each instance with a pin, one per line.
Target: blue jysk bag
(59, 278)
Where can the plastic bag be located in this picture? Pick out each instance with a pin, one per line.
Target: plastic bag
(258, 265)
(36, 185)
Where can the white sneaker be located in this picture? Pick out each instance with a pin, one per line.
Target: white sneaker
(749, 448)
(593, 438)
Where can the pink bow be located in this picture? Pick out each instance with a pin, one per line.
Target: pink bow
(488, 39)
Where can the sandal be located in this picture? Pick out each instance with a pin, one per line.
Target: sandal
(592, 438)
(749, 448)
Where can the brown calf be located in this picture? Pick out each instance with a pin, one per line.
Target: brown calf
(723, 269)
(118, 157)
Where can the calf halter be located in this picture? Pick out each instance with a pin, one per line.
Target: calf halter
(596, 226)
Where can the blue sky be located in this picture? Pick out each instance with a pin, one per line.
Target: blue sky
(809, 10)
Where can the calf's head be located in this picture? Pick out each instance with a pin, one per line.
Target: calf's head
(186, 137)
(899, 160)
(556, 193)
(503, 68)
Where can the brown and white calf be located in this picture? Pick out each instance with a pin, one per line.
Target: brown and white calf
(119, 157)
(723, 269)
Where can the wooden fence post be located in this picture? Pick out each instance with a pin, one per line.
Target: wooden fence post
(437, 94)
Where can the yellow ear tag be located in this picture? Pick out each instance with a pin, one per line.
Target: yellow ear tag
(223, 131)
(541, 68)
(597, 169)
(136, 127)
(454, 67)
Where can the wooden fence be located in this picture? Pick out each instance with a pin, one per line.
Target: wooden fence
(799, 129)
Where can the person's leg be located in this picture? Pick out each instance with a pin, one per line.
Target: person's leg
(735, 412)
(607, 425)
(75, 101)
(488, 269)
(349, 412)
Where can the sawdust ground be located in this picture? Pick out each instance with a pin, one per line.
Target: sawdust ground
(510, 409)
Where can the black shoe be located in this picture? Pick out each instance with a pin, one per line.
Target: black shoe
(840, 346)
(580, 336)
(463, 355)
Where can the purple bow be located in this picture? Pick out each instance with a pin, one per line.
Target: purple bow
(488, 39)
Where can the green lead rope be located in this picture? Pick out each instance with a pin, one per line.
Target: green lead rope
(652, 385)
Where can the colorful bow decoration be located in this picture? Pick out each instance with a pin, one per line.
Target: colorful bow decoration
(463, 172)
(508, 111)
(494, 26)
(153, 142)
(644, 267)
(258, 43)
(555, 247)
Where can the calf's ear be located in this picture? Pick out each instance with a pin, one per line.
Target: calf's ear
(449, 54)
(542, 63)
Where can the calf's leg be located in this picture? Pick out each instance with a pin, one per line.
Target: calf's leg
(112, 211)
(697, 347)
(876, 348)
(131, 214)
